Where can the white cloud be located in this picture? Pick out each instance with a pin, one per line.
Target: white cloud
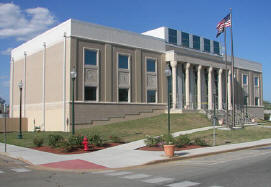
(23, 24)
(6, 52)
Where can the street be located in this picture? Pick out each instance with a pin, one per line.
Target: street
(247, 168)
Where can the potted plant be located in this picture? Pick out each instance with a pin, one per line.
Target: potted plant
(169, 145)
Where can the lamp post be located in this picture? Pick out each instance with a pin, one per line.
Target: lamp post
(214, 118)
(20, 85)
(168, 74)
(73, 76)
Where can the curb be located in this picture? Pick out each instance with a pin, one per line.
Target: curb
(201, 155)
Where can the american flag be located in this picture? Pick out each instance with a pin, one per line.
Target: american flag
(225, 22)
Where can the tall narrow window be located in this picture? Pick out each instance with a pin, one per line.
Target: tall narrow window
(256, 101)
(216, 48)
(123, 94)
(151, 65)
(256, 81)
(123, 78)
(172, 36)
(90, 57)
(91, 74)
(244, 79)
(196, 42)
(123, 61)
(90, 93)
(151, 96)
(185, 39)
(207, 45)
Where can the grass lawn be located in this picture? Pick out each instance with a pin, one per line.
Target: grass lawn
(128, 131)
(247, 134)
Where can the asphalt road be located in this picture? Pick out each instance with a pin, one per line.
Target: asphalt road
(248, 168)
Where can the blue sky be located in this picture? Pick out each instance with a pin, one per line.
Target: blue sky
(22, 20)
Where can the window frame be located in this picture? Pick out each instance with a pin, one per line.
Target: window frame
(151, 73)
(185, 40)
(243, 75)
(204, 46)
(97, 66)
(170, 36)
(155, 95)
(198, 37)
(124, 70)
(216, 42)
(258, 82)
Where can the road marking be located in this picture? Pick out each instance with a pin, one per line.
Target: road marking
(20, 170)
(1, 171)
(158, 180)
(119, 173)
(136, 176)
(105, 171)
(216, 186)
(183, 184)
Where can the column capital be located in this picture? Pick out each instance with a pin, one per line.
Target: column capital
(25, 53)
(210, 69)
(44, 44)
(11, 60)
(173, 64)
(220, 71)
(199, 67)
(187, 65)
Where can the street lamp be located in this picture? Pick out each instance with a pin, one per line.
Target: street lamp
(214, 118)
(20, 85)
(73, 77)
(168, 74)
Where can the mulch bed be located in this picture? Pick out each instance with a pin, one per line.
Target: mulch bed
(176, 148)
(76, 151)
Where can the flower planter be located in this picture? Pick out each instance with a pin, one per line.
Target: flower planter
(169, 150)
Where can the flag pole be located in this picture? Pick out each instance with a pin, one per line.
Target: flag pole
(233, 77)
(226, 77)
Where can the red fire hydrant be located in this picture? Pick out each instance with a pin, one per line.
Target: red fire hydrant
(85, 143)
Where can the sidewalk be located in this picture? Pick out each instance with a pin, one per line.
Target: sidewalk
(116, 157)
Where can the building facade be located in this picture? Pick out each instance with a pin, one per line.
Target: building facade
(121, 73)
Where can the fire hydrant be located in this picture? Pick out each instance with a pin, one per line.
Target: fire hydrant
(85, 143)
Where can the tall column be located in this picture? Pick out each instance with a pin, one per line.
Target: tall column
(24, 86)
(65, 127)
(199, 87)
(220, 106)
(210, 89)
(11, 87)
(43, 85)
(229, 91)
(187, 86)
(174, 83)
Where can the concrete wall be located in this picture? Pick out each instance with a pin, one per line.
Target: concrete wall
(85, 113)
(12, 124)
(108, 70)
(32, 102)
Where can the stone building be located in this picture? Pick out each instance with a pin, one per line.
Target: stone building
(120, 75)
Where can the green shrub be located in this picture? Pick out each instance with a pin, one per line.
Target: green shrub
(168, 139)
(54, 140)
(182, 141)
(95, 139)
(65, 144)
(115, 139)
(38, 141)
(199, 141)
(153, 141)
(75, 141)
(266, 116)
